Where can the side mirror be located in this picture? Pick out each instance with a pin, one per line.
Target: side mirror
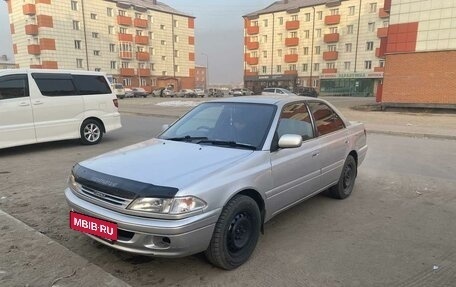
(165, 127)
(290, 141)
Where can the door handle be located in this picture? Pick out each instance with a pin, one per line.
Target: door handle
(24, 104)
(36, 103)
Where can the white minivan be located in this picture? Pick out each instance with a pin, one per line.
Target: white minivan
(48, 105)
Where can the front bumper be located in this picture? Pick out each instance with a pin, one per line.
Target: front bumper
(144, 236)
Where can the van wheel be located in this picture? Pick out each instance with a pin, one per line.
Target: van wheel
(91, 132)
(344, 187)
(236, 233)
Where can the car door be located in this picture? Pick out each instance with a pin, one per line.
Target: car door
(333, 139)
(16, 117)
(295, 171)
(58, 110)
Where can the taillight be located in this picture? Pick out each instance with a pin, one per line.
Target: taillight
(116, 102)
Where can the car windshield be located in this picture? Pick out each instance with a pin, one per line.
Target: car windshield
(233, 125)
(117, 86)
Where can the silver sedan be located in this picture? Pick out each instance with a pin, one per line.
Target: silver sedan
(211, 180)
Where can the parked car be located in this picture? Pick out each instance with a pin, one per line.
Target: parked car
(119, 90)
(241, 92)
(215, 93)
(169, 93)
(139, 93)
(212, 179)
(158, 92)
(129, 93)
(186, 93)
(199, 93)
(277, 91)
(307, 92)
(48, 105)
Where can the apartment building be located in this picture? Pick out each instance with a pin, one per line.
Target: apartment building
(139, 42)
(331, 45)
(420, 54)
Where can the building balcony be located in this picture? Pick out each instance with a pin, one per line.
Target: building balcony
(252, 60)
(34, 49)
(291, 58)
(382, 32)
(31, 29)
(379, 53)
(331, 38)
(36, 67)
(329, 71)
(141, 23)
(125, 37)
(144, 72)
(330, 55)
(248, 73)
(332, 19)
(49, 65)
(127, 72)
(382, 13)
(142, 40)
(379, 69)
(124, 20)
(29, 9)
(387, 5)
(292, 25)
(252, 45)
(142, 56)
(290, 42)
(125, 55)
(253, 30)
(290, 72)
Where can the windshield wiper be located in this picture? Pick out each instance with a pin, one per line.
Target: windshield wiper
(227, 143)
(186, 139)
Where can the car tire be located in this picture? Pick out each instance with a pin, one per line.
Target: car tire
(236, 233)
(91, 132)
(344, 186)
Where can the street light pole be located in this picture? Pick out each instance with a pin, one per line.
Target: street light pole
(207, 70)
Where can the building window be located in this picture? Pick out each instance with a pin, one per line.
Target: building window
(265, 54)
(279, 53)
(94, 35)
(110, 30)
(151, 35)
(127, 82)
(79, 63)
(351, 10)
(77, 44)
(332, 48)
(143, 82)
(371, 26)
(176, 24)
(151, 51)
(123, 30)
(280, 36)
(280, 20)
(292, 67)
(307, 17)
(315, 83)
(150, 19)
(319, 15)
(334, 11)
(109, 12)
(265, 23)
(113, 65)
(139, 32)
(333, 30)
(255, 69)
(348, 47)
(96, 52)
(140, 48)
(176, 68)
(176, 53)
(176, 38)
(386, 23)
(279, 69)
(163, 58)
(381, 63)
(306, 34)
(163, 42)
(152, 66)
(331, 65)
(347, 66)
(74, 5)
(93, 16)
(318, 33)
(293, 51)
(162, 27)
(306, 50)
(293, 34)
(373, 7)
(369, 46)
(350, 29)
(112, 47)
(125, 65)
(367, 65)
(75, 25)
(125, 47)
(264, 39)
(305, 67)
(316, 67)
(138, 15)
(254, 54)
(294, 17)
(254, 23)
(317, 50)
(122, 13)
(264, 69)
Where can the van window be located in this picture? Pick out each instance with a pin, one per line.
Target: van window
(13, 86)
(91, 85)
(53, 85)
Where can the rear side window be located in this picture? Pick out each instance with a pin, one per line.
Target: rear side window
(295, 119)
(326, 120)
(13, 86)
(91, 85)
(54, 85)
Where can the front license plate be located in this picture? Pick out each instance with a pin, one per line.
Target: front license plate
(92, 225)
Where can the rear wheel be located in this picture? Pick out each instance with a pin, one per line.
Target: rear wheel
(344, 187)
(91, 132)
(236, 233)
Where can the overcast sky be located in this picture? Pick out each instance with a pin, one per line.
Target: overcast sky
(218, 33)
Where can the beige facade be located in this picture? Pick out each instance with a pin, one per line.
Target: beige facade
(149, 46)
(330, 45)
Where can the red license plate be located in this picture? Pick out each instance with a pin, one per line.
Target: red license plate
(92, 225)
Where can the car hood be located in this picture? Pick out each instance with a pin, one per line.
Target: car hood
(165, 163)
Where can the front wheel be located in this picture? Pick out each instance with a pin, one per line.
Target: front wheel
(236, 233)
(91, 132)
(344, 186)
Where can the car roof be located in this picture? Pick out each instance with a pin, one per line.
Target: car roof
(272, 100)
(54, 71)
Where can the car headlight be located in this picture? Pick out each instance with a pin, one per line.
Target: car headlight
(175, 206)
(73, 185)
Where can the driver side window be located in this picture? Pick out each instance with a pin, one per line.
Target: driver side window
(295, 119)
